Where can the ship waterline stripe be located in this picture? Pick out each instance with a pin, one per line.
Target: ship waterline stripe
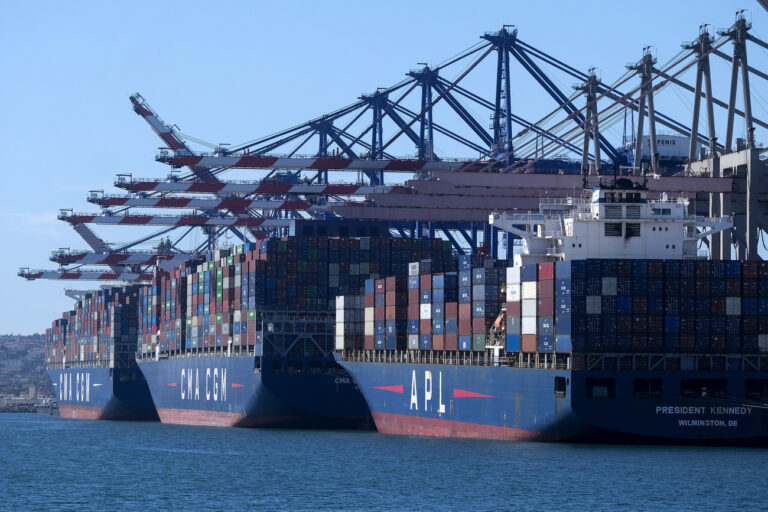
(401, 424)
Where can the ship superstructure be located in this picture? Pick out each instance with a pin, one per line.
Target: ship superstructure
(614, 221)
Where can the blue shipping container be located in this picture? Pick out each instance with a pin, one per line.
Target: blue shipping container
(529, 273)
(513, 343)
(546, 344)
(563, 324)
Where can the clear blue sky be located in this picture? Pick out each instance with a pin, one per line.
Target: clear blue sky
(233, 71)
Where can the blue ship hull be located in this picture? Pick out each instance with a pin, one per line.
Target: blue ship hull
(102, 394)
(236, 392)
(527, 404)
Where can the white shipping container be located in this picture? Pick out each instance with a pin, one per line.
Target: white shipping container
(513, 274)
(594, 304)
(529, 308)
(609, 286)
(413, 342)
(513, 292)
(226, 283)
(413, 269)
(529, 290)
(237, 315)
(425, 311)
(339, 342)
(369, 329)
(339, 328)
(528, 325)
(369, 314)
(340, 302)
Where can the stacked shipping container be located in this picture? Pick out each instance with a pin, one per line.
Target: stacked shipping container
(103, 325)
(222, 301)
(597, 306)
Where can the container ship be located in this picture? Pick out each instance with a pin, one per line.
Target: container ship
(90, 358)
(246, 338)
(243, 337)
(608, 327)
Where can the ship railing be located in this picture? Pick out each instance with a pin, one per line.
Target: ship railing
(458, 358)
(565, 201)
(525, 217)
(234, 351)
(613, 361)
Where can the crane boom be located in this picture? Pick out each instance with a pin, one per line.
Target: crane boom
(250, 187)
(205, 203)
(219, 160)
(171, 220)
(32, 275)
(168, 135)
(65, 257)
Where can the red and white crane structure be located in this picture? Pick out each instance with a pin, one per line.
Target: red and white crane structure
(449, 197)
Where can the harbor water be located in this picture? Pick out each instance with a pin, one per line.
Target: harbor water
(49, 463)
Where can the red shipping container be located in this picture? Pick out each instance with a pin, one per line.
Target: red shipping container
(546, 271)
(425, 326)
(545, 307)
(465, 312)
(545, 289)
(478, 326)
(389, 298)
(380, 285)
(390, 313)
(379, 314)
(368, 342)
(425, 282)
(465, 327)
(438, 342)
(413, 310)
(529, 343)
(451, 310)
(413, 296)
(513, 308)
(451, 342)
(370, 300)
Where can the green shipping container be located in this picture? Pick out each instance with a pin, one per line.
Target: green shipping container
(478, 342)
